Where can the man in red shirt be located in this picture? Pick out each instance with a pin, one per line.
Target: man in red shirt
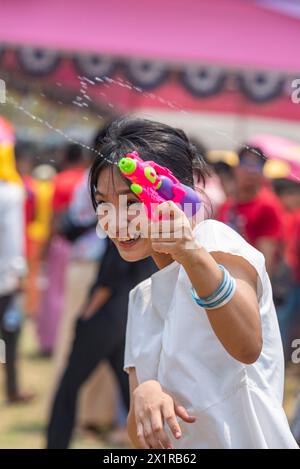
(289, 312)
(254, 212)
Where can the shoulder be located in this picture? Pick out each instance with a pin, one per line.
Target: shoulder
(140, 295)
(215, 236)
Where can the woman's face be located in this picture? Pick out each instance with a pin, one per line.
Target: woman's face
(114, 197)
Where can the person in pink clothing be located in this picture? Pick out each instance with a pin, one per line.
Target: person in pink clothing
(59, 250)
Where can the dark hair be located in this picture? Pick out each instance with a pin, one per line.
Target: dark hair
(155, 141)
(73, 154)
(24, 151)
(283, 186)
(221, 167)
(100, 134)
(256, 151)
(199, 145)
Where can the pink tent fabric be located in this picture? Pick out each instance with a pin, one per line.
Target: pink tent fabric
(281, 149)
(237, 33)
(277, 147)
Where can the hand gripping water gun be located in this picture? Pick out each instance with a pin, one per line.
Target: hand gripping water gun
(154, 184)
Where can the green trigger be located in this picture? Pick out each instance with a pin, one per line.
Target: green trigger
(150, 173)
(136, 188)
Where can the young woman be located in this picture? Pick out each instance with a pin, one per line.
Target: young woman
(203, 342)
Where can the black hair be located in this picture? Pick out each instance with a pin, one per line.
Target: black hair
(283, 186)
(221, 167)
(155, 141)
(73, 154)
(256, 151)
(95, 144)
(24, 151)
(100, 134)
(201, 148)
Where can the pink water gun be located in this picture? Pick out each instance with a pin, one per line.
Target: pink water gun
(154, 184)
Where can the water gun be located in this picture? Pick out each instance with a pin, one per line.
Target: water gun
(154, 184)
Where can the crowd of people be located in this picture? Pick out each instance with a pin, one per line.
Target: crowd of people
(47, 224)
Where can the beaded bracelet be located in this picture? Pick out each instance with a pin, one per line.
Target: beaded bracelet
(219, 297)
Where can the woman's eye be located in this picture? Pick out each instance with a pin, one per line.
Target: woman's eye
(131, 202)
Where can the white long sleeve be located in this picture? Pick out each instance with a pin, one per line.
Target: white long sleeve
(12, 260)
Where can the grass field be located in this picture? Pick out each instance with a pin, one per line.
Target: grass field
(22, 426)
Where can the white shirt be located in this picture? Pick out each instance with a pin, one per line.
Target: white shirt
(12, 261)
(169, 339)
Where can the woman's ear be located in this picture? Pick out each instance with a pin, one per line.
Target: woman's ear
(196, 178)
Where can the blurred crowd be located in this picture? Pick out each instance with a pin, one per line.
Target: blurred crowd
(74, 286)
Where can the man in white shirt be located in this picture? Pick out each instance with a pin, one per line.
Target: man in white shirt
(12, 269)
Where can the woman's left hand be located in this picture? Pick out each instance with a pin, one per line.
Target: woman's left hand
(173, 234)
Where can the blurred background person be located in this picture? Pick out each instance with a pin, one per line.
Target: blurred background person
(52, 302)
(289, 312)
(223, 163)
(38, 232)
(221, 183)
(211, 189)
(24, 154)
(254, 210)
(12, 259)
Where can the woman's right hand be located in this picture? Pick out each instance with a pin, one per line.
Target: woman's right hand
(153, 407)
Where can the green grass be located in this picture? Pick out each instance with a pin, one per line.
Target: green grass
(23, 425)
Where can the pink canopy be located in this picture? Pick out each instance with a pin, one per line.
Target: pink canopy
(277, 147)
(239, 33)
(280, 149)
(7, 134)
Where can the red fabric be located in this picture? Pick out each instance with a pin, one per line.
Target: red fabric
(29, 198)
(259, 218)
(292, 242)
(64, 185)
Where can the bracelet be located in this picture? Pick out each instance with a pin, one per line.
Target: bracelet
(219, 297)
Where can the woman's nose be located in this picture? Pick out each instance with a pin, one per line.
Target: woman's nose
(122, 223)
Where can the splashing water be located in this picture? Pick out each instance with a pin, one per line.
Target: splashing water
(83, 99)
(44, 122)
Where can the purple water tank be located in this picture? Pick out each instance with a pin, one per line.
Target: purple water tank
(191, 197)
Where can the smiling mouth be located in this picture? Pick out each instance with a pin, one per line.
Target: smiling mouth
(129, 241)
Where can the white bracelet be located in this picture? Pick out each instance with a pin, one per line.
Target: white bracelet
(221, 296)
